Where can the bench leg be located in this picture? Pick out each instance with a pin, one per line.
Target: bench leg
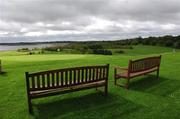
(158, 74)
(115, 81)
(106, 90)
(127, 84)
(30, 106)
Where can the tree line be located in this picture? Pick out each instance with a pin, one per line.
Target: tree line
(167, 41)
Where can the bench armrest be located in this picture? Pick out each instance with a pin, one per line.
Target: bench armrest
(121, 68)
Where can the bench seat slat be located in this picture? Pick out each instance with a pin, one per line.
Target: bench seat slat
(54, 87)
(42, 92)
(125, 75)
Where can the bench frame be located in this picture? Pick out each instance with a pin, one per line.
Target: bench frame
(53, 82)
(141, 67)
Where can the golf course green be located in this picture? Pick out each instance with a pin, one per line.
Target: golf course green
(147, 98)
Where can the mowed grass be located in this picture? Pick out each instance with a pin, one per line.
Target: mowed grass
(145, 50)
(147, 98)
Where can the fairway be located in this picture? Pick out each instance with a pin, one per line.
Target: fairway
(147, 97)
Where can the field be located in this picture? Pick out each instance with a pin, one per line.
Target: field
(147, 97)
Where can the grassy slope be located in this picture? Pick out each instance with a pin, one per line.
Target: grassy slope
(145, 50)
(147, 97)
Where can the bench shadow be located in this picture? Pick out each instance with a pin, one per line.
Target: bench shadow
(149, 84)
(3, 73)
(93, 104)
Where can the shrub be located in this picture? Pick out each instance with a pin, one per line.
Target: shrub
(134, 42)
(42, 51)
(30, 53)
(83, 49)
(120, 51)
(102, 51)
(169, 43)
(23, 50)
(177, 45)
(95, 46)
(153, 43)
(130, 47)
(53, 48)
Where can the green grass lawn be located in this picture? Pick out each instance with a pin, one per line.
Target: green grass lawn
(147, 98)
(145, 50)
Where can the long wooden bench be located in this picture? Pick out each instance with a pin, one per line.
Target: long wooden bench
(61, 81)
(137, 68)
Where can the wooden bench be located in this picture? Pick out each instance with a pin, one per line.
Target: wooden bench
(137, 68)
(61, 81)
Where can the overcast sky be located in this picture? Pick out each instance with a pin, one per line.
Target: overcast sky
(42, 20)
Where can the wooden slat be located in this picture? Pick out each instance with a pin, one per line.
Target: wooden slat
(70, 77)
(57, 78)
(97, 74)
(82, 75)
(66, 77)
(38, 81)
(74, 78)
(48, 80)
(43, 80)
(104, 73)
(62, 78)
(53, 82)
(100, 74)
(78, 80)
(93, 77)
(86, 72)
(90, 74)
(33, 82)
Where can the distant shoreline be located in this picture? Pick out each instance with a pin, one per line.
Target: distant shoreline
(34, 43)
(29, 45)
(52, 42)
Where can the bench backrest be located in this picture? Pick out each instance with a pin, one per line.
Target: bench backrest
(144, 64)
(66, 77)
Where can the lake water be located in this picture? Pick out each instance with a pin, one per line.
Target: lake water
(31, 46)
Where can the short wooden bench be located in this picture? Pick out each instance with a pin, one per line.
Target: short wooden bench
(61, 81)
(137, 68)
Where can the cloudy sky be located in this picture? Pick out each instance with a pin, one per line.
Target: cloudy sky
(44, 20)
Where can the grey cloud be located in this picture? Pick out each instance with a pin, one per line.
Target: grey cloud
(128, 17)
